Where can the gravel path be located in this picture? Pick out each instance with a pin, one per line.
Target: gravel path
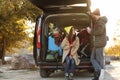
(112, 72)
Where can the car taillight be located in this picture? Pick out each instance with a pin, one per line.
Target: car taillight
(38, 37)
(38, 34)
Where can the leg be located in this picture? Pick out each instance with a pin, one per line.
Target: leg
(72, 69)
(72, 66)
(94, 60)
(67, 66)
(100, 57)
(95, 64)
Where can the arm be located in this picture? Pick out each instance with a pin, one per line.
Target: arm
(100, 26)
(75, 46)
(65, 44)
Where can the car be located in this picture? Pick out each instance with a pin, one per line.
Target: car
(60, 14)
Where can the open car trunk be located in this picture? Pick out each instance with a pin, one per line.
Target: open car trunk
(62, 5)
(80, 21)
(61, 14)
(66, 19)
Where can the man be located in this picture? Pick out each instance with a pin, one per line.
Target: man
(99, 42)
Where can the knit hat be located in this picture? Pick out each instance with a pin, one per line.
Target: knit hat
(96, 12)
(67, 29)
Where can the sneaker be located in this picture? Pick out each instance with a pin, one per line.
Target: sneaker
(96, 78)
(96, 75)
(71, 76)
(101, 76)
(66, 76)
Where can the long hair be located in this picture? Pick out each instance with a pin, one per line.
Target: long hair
(71, 36)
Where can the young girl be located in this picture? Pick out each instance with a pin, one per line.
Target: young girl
(70, 45)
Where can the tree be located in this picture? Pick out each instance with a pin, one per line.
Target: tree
(115, 49)
(13, 15)
(117, 33)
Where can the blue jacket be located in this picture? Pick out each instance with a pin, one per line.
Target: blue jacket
(52, 46)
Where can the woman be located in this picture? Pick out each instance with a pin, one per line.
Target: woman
(70, 45)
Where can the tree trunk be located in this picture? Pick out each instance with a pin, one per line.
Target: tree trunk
(2, 50)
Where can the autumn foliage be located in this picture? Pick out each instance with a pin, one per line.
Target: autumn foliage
(113, 50)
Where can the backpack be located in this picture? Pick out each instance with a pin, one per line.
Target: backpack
(52, 55)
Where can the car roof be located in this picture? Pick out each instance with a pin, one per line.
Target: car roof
(59, 6)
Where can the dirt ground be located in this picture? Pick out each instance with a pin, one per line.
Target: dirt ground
(112, 72)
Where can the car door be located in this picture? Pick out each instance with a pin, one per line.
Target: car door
(37, 39)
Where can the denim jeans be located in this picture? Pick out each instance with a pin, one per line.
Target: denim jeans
(97, 58)
(70, 65)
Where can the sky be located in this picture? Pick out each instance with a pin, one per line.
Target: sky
(110, 9)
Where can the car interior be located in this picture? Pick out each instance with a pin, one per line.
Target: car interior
(80, 22)
(61, 14)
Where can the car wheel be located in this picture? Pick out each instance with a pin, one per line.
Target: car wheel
(91, 70)
(44, 73)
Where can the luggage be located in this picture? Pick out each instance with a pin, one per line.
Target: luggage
(53, 47)
(52, 55)
(85, 46)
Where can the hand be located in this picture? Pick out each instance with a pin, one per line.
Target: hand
(71, 56)
(71, 45)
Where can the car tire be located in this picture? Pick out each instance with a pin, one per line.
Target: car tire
(44, 73)
(91, 70)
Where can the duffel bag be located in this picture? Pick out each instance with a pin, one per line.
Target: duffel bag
(52, 55)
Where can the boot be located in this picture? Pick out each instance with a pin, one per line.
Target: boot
(95, 78)
(66, 76)
(71, 76)
(96, 75)
(101, 77)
